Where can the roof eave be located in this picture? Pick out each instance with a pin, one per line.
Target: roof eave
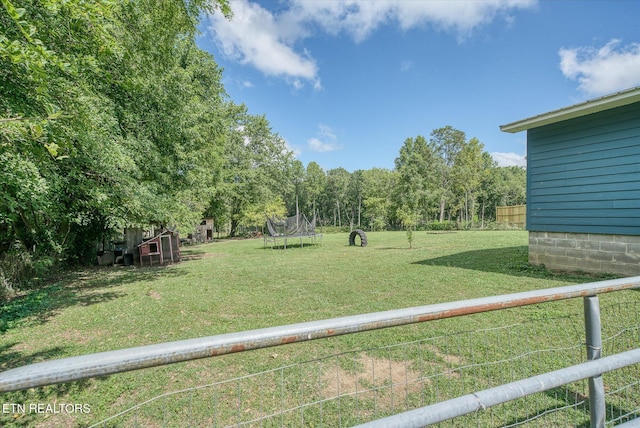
(607, 102)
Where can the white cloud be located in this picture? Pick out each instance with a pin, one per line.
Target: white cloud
(602, 70)
(255, 37)
(361, 18)
(324, 141)
(406, 65)
(356, 18)
(460, 17)
(267, 40)
(317, 145)
(509, 159)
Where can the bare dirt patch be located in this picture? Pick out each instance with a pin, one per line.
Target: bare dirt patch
(381, 378)
(386, 382)
(154, 295)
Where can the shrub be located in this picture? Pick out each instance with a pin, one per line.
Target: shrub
(445, 225)
(16, 267)
(19, 267)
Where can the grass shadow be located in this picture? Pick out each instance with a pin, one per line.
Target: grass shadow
(194, 251)
(83, 287)
(501, 260)
(551, 410)
(199, 256)
(11, 358)
(568, 398)
(505, 260)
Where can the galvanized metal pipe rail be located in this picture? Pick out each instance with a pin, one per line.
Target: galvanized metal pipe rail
(593, 333)
(110, 362)
(482, 400)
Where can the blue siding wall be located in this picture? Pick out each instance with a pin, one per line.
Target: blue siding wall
(583, 175)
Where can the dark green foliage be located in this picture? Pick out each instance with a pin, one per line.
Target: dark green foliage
(110, 116)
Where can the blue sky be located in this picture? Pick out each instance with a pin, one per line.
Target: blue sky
(345, 83)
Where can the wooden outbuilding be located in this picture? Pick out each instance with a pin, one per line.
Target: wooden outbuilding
(162, 248)
(583, 185)
(204, 231)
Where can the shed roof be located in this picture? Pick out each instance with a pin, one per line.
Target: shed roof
(595, 105)
(164, 232)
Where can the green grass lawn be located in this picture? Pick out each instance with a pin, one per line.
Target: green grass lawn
(236, 285)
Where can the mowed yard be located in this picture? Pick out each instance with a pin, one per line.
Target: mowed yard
(236, 285)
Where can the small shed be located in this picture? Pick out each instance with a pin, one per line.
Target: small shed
(583, 185)
(162, 248)
(204, 231)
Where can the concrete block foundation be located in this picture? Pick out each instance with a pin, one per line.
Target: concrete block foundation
(616, 254)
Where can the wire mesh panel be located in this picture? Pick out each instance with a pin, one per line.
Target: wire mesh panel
(350, 388)
(297, 226)
(621, 331)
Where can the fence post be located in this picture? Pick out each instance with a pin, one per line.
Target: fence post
(597, 409)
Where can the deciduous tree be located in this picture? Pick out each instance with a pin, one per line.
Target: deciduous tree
(448, 143)
(416, 166)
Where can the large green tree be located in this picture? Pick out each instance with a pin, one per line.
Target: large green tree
(257, 168)
(314, 185)
(467, 172)
(378, 187)
(337, 192)
(109, 117)
(502, 186)
(355, 194)
(448, 143)
(294, 195)
(417, 165)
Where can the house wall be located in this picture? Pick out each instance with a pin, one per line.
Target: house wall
(583, 174)
(583, 193)
(586, 252)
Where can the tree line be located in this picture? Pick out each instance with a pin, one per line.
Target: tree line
(443, 182)
(112, 117)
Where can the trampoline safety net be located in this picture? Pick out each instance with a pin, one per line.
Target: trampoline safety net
(297, 226)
